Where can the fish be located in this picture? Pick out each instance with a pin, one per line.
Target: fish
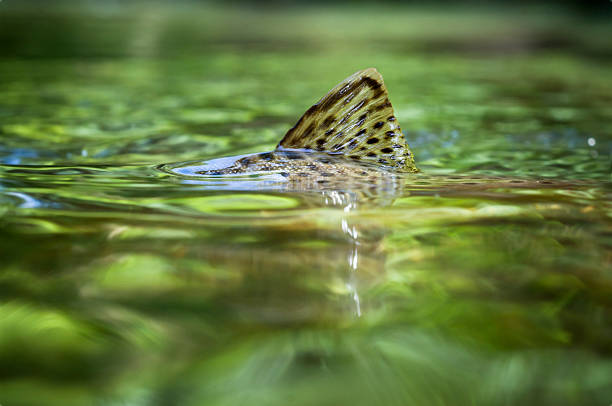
(352, 131)
(350, 141)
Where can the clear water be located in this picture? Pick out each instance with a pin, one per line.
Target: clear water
(122, 284)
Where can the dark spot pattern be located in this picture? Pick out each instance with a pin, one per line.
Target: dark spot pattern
(293, 155)
(378, 93)
(383, 105)
(360, 97)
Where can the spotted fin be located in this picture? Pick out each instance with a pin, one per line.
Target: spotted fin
(354, 119)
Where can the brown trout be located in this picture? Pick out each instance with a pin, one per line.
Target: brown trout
(350, 140)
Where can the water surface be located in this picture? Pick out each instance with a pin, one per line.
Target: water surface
(121, 283)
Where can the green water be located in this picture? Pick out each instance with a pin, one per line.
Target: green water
(121, 284)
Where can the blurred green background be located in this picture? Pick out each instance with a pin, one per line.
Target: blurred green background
(124, 285)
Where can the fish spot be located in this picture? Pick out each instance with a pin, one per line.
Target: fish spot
(293, 155)
(328, 121)
(326, 174)
(352, 144)
(322, 181)
(383, 105)
(285, 174)
(303, 174)
(337, 147)
(372, 154)
(266, 156)
(371, 83)
(360, 133)
(383, 161)
(372, 140)
(386, 150)
(329, 132)
(392, 118)
(379, 124)
(378, 93)
(354, 157)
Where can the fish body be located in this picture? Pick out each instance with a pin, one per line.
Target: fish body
(295, 166)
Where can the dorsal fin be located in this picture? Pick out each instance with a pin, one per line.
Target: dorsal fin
(354, 119)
